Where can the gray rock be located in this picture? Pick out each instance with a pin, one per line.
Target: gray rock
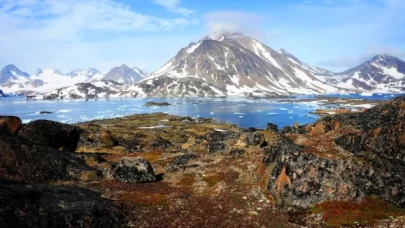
(134, 170)
(180, 163)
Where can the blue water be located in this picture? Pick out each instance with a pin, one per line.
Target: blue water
(240, 111)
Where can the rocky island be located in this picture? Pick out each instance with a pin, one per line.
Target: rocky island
(159, 170)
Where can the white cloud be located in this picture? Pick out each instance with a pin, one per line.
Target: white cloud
(66, 34)
(234, 21)
(173, 6)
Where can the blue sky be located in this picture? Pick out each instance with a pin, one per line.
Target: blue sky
(68, 34)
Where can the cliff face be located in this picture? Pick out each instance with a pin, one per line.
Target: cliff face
(347, 156)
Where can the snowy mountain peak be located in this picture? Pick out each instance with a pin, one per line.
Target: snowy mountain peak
(124, 75)
(38, 72)
(89, 72)
(11, 72)
(233, 64)
(283, 51)
(220, 36)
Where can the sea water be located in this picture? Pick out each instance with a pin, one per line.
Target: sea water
(240, 111)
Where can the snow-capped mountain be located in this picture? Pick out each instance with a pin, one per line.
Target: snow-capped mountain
(382, 74)
(140, 71)
(89, 90)
(11, 72)
(45, 80)
(125, 75)
(233, 64)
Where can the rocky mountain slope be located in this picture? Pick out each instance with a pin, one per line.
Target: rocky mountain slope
(382, 74)
(87, 90)
(125, 75)
(11, 72)
(236, 65)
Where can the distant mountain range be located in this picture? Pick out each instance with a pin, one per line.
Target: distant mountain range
(221, 65)
(13, 80)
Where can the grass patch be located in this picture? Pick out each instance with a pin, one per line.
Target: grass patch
(349, 213)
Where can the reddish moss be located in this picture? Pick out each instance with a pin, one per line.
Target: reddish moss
(187, 180)
(145, 199)
(346, 213)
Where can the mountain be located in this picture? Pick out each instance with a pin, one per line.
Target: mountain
(314, 70)
(11, 72)
(125, 75)
(140, 71)
(382, 74)
(232, 64)
(2, 94)
(88, 90)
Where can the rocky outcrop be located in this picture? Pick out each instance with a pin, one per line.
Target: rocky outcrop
(217, 140)
(33, 163)
(134, 170)
(180, 163)
(10, 125)
(56, 206)
(361, 155)
(52, 134)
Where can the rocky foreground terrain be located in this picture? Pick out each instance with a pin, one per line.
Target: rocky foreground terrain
(158, 170)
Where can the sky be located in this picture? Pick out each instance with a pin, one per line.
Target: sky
(70, 34)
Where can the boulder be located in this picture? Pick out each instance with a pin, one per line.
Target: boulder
(180, 163)
(107, 139)
(134, 170)
(271, 127)
(56, 206)
(28, 162)
(10, 125)
(160, 143)
(53, 134)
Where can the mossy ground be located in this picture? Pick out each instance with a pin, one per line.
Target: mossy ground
(214, 190)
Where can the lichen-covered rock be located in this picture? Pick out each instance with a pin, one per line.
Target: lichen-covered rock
(134, 170)
(180, 163)
(303, 179)
(369, 159)
(217, 140)
(160, 143)
(56, 206)
(52, 134)
(28, 162)
(255, 139)
(107, 139)
(10, 125)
